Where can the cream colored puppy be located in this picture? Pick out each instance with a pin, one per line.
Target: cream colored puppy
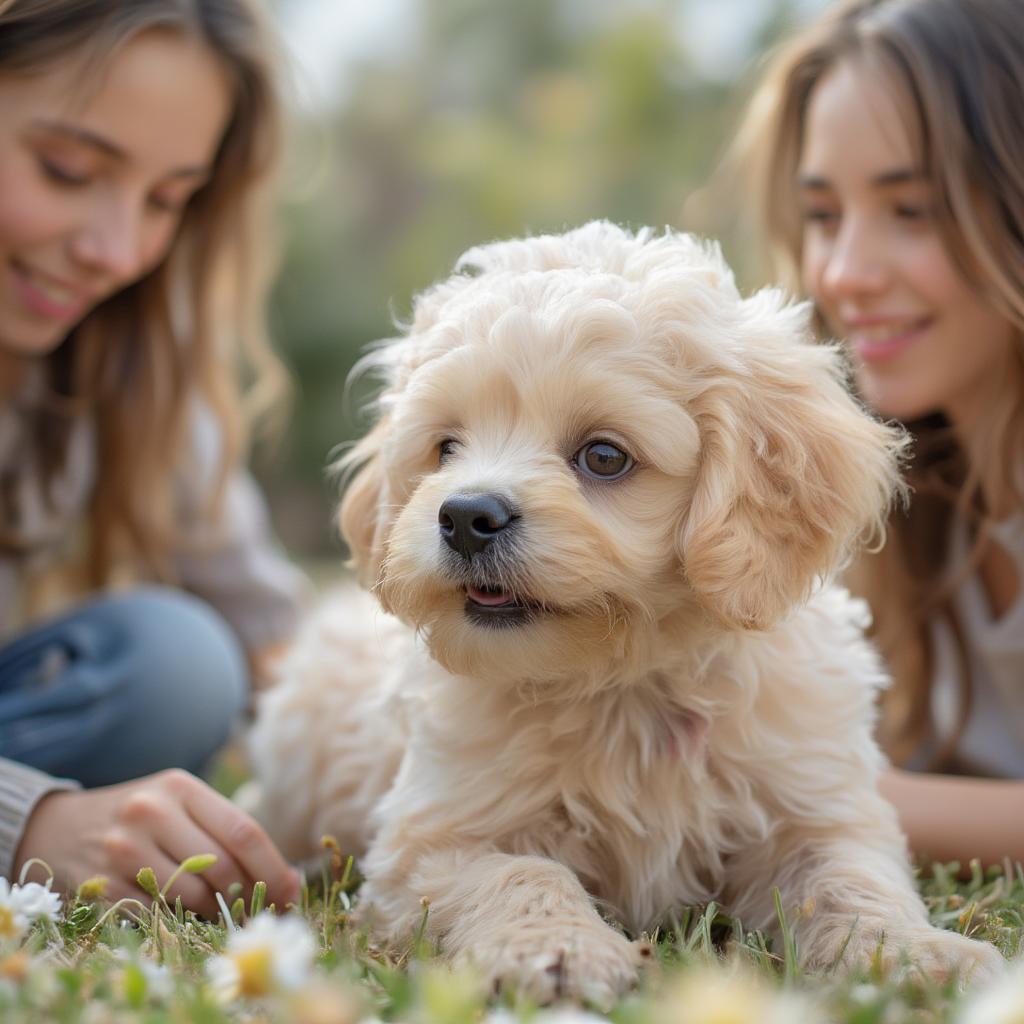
(601, 506)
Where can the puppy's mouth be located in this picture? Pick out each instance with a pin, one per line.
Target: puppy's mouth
(491, 606)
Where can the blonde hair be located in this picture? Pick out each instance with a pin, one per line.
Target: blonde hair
(192, 329)
(958, 68)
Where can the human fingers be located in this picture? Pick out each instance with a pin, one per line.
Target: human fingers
(153, 830)
(195, 894)
(239, 835)
(179, 837)
(126, 854)
(114, 832)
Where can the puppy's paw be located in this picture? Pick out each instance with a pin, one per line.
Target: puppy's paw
(581, 962)
(932, 951)
(942, 954)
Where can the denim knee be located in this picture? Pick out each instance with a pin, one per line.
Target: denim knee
(190, 682)
(153, 678)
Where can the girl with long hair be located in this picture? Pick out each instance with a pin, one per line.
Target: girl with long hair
(138, 144)
(886, 144)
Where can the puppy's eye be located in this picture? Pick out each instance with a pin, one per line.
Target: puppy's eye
(445, 450)
(603, 461)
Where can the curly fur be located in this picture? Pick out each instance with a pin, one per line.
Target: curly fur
(689, 714)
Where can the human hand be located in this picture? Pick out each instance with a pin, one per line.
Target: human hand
(156, 822)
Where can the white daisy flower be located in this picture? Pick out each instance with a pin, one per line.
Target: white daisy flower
(159, 980)
(13, 921)
(269, 954)
(999, 1002)
(37, 901)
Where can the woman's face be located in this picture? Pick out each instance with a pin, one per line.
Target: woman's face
(95, 175)
(922, 337)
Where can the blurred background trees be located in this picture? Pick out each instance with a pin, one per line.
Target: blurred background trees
(497, 117)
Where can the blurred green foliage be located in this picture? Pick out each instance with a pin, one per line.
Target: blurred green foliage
(505, 118)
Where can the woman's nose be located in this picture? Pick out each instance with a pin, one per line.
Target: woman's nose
(856, 262)
(111, 243)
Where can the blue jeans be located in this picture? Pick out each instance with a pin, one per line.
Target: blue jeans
(123, 686)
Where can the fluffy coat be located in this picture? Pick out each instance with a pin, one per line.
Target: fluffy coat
(641, 691)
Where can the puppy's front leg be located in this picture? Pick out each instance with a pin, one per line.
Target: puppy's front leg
(524, 921)
(852, 898)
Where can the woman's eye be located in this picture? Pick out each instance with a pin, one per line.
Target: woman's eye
(61, 175)
(445, 450)
(817, 215)
(162, 205)
(602, 460)
(907, 212)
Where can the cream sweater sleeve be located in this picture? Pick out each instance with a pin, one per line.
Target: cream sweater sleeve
(21, 788)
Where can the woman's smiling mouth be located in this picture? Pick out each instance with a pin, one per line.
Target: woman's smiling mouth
(48, 297)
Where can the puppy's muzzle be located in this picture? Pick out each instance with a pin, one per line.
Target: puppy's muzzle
(470, 523)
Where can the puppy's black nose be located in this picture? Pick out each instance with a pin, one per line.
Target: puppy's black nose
(469, 522)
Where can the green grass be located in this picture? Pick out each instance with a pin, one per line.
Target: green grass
(94, 966)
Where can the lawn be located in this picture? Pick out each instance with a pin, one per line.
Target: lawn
(146, 961)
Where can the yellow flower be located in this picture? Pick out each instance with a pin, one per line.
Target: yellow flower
(13, 921)
(703, 995)
(323, 1002)
(269, 954)
(93, 889)
(255, 970)
(12, 925)
(15, 967)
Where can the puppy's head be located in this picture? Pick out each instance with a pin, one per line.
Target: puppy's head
(589, 443)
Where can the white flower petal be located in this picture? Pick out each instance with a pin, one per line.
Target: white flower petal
(287, 943)
(36, 901)
(224, 979)
(1001, 1002)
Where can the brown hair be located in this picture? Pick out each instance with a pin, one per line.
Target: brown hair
(192, 328)
(958, 66)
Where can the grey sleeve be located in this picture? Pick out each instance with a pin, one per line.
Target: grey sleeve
(21, 788)
(232, 560)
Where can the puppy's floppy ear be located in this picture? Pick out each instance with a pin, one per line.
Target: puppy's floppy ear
(362, 515)
(793, 473)
(367, 506)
